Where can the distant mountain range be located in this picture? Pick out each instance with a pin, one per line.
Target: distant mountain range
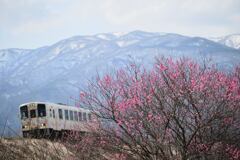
(54, 73)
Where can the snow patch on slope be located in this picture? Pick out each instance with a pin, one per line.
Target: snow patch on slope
(232, 41)
(126, 43)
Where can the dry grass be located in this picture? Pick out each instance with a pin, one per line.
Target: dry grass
(32, 149)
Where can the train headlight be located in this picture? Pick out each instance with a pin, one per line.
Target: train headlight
(43, 124)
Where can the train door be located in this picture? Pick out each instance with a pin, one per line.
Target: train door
(33, 120)
(52, 118)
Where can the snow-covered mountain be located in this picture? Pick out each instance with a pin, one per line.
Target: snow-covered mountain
(232, 40)
(55, 72)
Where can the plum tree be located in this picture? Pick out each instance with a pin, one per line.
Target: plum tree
(176, 110)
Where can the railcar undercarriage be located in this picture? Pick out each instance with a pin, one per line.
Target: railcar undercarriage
(51, 134)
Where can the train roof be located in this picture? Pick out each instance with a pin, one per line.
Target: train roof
(54, 104)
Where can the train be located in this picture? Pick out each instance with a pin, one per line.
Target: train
(44, 119)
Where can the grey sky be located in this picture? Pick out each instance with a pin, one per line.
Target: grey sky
(35, 23)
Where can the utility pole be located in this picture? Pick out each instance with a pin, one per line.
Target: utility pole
(76, 99)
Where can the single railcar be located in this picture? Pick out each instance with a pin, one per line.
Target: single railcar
(41, 119)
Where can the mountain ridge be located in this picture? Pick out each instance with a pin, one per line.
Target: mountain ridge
(115, 35)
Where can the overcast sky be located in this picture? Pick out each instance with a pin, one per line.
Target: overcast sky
(35, 23)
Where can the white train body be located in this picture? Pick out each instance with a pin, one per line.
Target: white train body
(50, 118)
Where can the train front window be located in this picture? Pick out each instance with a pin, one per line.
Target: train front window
(41, 110)
(33, 113)
(24, 112)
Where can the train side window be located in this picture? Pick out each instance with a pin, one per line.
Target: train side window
(71, 115)
(80, 116)
(53, 113)
(84, 116)
(75, 116)
(60, 113)
(89, 116)
(66, 115)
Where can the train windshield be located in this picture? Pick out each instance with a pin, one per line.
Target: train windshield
(24, 112)
(41, 110)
